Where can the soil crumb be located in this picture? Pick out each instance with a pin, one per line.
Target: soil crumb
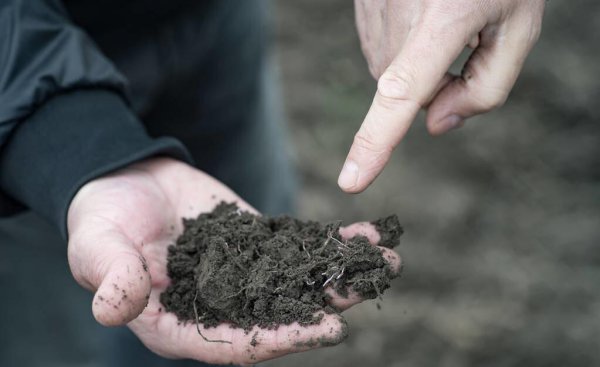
(390, 230)
(252, 270)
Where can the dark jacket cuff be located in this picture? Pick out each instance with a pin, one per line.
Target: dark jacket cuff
(70, 140)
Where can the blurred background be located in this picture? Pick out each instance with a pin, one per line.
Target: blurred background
(502, 243)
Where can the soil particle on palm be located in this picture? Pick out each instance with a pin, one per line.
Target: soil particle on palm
(254, 342)
(252, 270)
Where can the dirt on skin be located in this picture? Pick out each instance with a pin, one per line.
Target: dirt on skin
(249, 270)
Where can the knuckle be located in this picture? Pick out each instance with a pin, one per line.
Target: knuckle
(374, 70)
(490, 98)
(443, 17)
(396, 84)
(535, 32)
(486, 94)
(364, 140)
(374, 153)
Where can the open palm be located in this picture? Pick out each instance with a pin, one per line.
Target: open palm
(120, 227)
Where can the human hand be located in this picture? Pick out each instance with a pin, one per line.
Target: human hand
(119, 229)
(410, 45)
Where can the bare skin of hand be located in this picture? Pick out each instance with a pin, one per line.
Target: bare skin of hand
(410, 46)
(119, 229)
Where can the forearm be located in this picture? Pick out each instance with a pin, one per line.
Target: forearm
(64, 118)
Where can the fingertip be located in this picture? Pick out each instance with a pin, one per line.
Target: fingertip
(106, 310)
(364, 177)
(102, 313)
(348, 178)
(447, 110)
(122, 295)
(337, 333)
(356, 177)
(352, 190)
(332, 330)
(342, 303)
(368, 155)
(392, 258)
(261, 344)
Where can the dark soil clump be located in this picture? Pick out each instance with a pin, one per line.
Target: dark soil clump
(390, 230)
(252, 270)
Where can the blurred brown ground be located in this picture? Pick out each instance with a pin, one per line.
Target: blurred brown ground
(502, 243)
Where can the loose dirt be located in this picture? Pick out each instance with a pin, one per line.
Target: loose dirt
(236, 267)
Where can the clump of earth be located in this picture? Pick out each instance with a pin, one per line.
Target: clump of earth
(236, 267)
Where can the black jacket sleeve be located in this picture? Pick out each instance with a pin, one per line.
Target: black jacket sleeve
(64, 119)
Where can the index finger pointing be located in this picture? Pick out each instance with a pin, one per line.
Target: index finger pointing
(401, 91)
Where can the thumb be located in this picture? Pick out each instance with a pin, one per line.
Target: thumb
(105, 261)
(488, 76)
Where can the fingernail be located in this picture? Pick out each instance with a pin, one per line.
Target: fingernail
(349, 175)
(451, 122)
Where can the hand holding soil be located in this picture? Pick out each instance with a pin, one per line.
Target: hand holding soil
(120, 227)
(248, 270)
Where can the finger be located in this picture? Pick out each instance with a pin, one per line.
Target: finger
(401, 91)
(343, 302)
(237, 346)
(293, 338)
(486, 80)
(106, 262)
(369, 25)
(369, 231)
(448, 77)
(365, 229)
